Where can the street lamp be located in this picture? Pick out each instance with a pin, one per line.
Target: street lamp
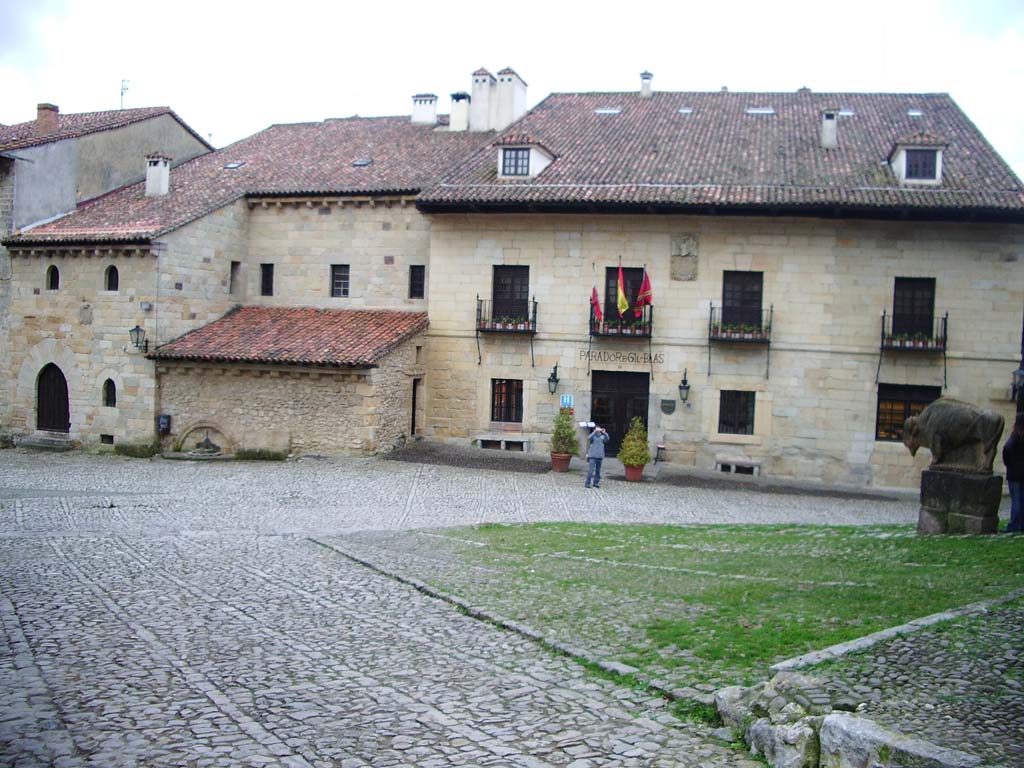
(138, 337)
(684, 387)
(553, 380)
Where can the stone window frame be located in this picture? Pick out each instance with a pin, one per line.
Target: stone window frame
(111, 279)
(267, 279)
(234, 275)
(52, 278)
(897, 402)
(737, 412)
(109, 394)
(417, 281)
(341, 284)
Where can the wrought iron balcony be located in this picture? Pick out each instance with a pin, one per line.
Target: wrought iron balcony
(629, 326)
(914, 333)
(741, 325)
(506, 316)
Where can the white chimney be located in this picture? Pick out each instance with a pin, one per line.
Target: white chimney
(424, 109)
(459, 119)
(830, 129)
(46, 119)
(480, 103)
(158, 174)
(511, 99)
(645, 84)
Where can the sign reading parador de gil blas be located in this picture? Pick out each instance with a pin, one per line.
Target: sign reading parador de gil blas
(611, 356)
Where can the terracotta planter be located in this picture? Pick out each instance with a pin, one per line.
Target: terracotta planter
(560, 461)
(634, 474)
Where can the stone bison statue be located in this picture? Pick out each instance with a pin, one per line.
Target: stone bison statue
(961, 436)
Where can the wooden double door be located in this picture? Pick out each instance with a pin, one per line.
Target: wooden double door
(616, 397)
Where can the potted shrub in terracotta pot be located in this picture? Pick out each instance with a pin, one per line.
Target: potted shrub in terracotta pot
(564, 443)
(633, 453)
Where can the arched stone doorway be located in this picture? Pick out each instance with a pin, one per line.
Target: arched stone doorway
(52, 412)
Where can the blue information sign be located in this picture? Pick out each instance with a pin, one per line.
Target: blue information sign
(567, 401)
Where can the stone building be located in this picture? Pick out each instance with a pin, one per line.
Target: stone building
(821, 267)
(51, 164)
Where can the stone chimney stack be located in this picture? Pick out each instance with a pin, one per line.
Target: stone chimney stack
(459, 119)
(511, 95)
(830, 129)
(46, 119)
(424, 109)
(158, 174)
(481, 101)
(645, 84)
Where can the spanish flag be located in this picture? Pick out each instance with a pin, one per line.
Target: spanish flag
(646, 296)
(596, 304)
(621, 301)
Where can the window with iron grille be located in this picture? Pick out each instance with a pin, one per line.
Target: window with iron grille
(511, 292)
(736, 413)
(507, 400)
(515, 162)
(896, 403)
(913, 306)
(339, 280)
(921, 164)
(632, 278)
(266, 279)
(741, 298)
(417, 281)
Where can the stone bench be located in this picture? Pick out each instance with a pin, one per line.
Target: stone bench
(740, 464)
(502, 442)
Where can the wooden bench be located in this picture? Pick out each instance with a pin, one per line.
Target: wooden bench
(737, 465)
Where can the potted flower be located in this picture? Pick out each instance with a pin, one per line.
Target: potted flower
(633, 453)
(564, 443)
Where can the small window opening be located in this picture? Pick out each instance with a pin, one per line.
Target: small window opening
(515, 162)
(266, 279)
(339, 280)
(236, 268)
(52, 278)
(111, 279)
(109, 393)
(106, 439)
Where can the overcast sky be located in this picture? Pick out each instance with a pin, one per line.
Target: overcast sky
(230, 69)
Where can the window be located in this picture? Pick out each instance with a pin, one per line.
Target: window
(236, 268)
(913, 306)
(52, 278)
(741, 298)
(339, 280)
(417, 281)
(515, 162)
(736, 413)
(511, 292)
(896, 403)
(633, 277)
(109, 393)
(507, 400)
(111, 279)
(266, 279)
(921, 164)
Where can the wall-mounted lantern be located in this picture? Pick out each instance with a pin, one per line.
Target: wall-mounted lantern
(138, 337)
(684, 387)
(553, 380)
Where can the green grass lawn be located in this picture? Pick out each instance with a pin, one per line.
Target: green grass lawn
(712, 605)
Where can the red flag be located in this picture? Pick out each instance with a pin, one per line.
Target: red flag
(645, 296)
(596, 304)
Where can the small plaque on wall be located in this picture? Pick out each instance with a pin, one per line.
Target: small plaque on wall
(668, 406)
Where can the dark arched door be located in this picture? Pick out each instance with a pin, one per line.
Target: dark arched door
(52, 412)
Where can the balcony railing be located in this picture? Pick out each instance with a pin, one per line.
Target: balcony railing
(628, 326)
(739, 324)
(914, 333)
(506, 316)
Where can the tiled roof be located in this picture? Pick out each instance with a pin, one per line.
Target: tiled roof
(73, 125)
(694, 151)
(296, 336)
(296, 159)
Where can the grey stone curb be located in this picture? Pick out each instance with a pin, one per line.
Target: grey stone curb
(575, 653)
(862, 643)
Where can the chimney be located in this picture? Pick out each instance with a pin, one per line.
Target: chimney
(424, 109)
(511, 95)
(830, 129)
(645, 84)
(158, 174)
(480, 102)
(46, 119)
(459, 119)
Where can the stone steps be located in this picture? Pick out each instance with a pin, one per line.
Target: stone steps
(47, 441)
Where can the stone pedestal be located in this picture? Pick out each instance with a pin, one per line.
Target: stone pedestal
(958, 503)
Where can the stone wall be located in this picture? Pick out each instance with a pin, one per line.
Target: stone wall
(292, 408)
(828, 281)
(7, 172)
(379, 240)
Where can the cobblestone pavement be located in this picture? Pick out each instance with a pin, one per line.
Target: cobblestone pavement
(172, 613)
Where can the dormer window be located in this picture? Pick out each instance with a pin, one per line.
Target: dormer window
(515, 161)
(921, 164)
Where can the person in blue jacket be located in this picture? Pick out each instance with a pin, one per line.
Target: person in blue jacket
(1013, 458)
(595, 455)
